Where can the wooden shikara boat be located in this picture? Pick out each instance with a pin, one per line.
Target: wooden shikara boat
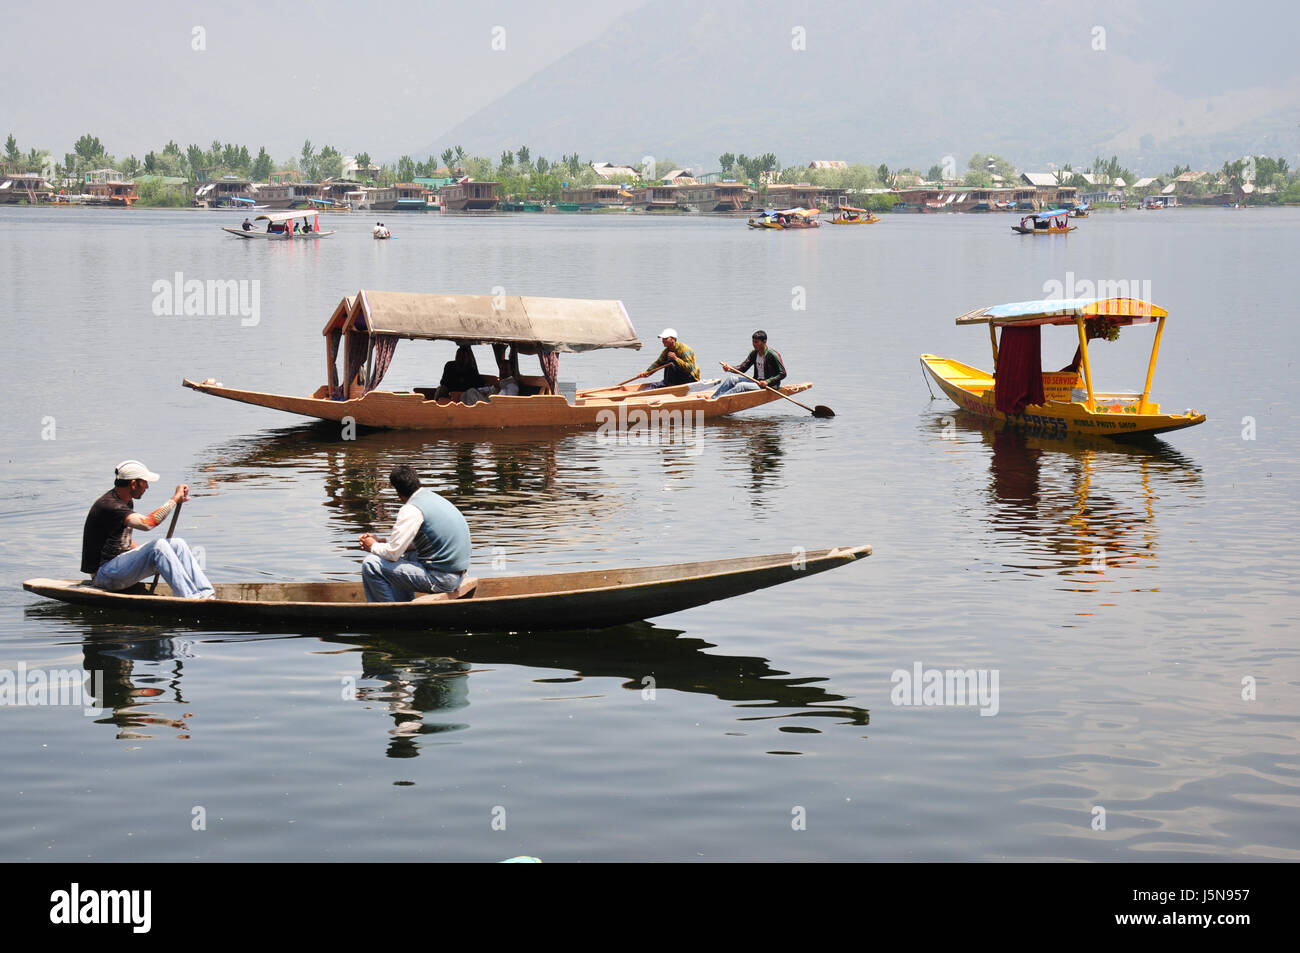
(848, 215)
(1062, 403)
(788, 219)
(280, 226)
(366, 328)
(571, 600)
(1055, 222)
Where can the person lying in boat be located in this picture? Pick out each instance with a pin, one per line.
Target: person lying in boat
(769, 369)
(677, 360)
(428, 550)
(114, 562)
(459, 374)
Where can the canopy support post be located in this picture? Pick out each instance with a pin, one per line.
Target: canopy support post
(993, 340)
(1151, 368)
(1087, 366)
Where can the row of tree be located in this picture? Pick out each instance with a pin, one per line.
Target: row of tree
(524, 176)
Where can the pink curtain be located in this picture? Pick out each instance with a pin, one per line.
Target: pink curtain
(550, 368)
(385, 345)
(1018, 380)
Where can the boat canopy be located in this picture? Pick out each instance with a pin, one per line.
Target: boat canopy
(285, 216)
(1125, 311)
(547, 324)
(849, 208)
(1052, 214)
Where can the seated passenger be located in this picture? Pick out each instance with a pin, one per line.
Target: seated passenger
(459, 375)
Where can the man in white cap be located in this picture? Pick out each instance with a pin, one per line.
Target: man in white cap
(115, 562)
(677, 360)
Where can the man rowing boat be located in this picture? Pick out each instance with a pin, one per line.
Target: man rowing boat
(115, 562)
(677, 360)
(428, 550)
(769, 369)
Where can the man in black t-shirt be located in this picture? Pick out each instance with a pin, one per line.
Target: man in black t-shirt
(115, 562)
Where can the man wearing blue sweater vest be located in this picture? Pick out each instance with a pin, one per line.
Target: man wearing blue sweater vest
(428, 550)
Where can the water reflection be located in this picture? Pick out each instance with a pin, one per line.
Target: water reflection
(1079, 506)
(141, 683)
(424, 682)
(515, 477)
(423, 679)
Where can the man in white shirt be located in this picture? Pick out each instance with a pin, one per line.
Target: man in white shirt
(428, 550)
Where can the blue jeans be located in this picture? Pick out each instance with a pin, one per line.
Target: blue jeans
(169, 557)
(388, 581)
(734, 384)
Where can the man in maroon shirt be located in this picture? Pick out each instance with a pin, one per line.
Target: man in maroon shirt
(115, 562)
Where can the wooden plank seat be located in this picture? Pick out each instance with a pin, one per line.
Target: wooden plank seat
(464, 591)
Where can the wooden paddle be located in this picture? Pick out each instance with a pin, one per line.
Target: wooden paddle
(170, 529)
(631, 379)
(821, 410)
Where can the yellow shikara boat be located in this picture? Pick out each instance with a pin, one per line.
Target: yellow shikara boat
(848, 215)
(1061, 403)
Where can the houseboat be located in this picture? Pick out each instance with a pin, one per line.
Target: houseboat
(469, 196)
(118, 194)
(26, 187)
(411, 198)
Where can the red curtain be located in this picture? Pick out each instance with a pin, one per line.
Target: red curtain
(1018, 380)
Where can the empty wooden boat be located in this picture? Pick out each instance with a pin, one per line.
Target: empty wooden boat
(571, 600)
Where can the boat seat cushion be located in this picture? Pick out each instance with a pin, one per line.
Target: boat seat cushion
(463, 591)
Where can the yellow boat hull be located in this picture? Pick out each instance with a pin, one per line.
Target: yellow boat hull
(971, 389)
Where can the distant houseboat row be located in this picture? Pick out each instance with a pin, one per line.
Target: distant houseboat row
(289, 191)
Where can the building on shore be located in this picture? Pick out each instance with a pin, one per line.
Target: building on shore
(717, 197)
(616, 173)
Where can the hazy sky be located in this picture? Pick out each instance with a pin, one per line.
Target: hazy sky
(381, 77)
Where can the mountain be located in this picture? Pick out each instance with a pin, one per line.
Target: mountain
(1037, 81)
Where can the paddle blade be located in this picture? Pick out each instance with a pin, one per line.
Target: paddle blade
(821, 410)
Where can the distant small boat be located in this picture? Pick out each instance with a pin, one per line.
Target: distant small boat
(848, 215)
(786, 219)
(1055, 222)
(1082, 210)
(283, 226)
(569, 600)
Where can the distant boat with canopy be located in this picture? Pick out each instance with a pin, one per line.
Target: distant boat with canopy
(283, 226)
(1055, 222)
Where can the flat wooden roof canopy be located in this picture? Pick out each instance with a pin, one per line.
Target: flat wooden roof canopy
(553, 324)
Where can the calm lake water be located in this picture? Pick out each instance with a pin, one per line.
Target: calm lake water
(1138, 606)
